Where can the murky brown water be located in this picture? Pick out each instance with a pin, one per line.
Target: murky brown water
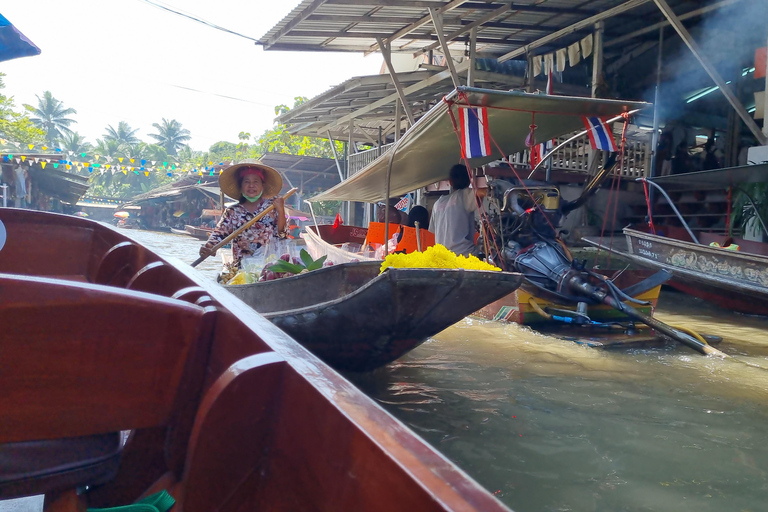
(549, 425)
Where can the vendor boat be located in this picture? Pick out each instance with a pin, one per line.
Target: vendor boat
(198, 232)
(125, 374)
(520, 232)
(728, 271)
(355, 317)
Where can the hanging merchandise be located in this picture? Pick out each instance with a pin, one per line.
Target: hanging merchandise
(574, 54)
(561, 59)
(586, 46)
(536, 65)
(549, 63)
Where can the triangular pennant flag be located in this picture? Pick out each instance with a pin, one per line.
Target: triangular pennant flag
(23, 158)
(97, 157)
(18, 160)
(56, 166)
(132, 160)
(125, 172)
(43, 164)
(143, 162)
(146, 173)
(31, 146)
(121, 159)
(69, 167)
(108, 166)
(45, 147)
(82, 155)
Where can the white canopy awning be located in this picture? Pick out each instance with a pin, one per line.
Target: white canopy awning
(426, 152)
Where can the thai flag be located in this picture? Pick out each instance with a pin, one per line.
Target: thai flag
(475, 136)
(600, 135)
(540, 151)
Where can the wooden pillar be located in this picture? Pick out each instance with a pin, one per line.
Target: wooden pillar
(529, 86)
(597, 56)
(472, 51)
(765, 98)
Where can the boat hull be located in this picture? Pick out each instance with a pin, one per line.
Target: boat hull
(733, 280)
(197, 232)
(357, 320)
(226, 411)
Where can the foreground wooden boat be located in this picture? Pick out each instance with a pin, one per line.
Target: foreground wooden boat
(356, 319)
(225, 411)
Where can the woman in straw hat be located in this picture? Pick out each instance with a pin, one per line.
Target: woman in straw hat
(256, 186)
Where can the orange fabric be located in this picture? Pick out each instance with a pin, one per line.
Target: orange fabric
(408, 240)
(760, 62)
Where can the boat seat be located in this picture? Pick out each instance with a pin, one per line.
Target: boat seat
(54, 465)
(102, 360)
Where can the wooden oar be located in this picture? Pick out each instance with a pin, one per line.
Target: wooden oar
(241, 229)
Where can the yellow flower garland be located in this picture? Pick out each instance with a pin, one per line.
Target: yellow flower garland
(436, 256)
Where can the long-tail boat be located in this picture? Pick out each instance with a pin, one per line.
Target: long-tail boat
(520, 233)
(728, 271)
(124, 373)
(354, 317)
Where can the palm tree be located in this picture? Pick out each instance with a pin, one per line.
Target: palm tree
(123, 135)
(109, 147)
(51, 117)
(75, 143)
(170, 135)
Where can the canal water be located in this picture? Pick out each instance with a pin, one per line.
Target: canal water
(549, 425)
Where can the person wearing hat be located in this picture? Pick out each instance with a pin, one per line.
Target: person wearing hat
(256, 186)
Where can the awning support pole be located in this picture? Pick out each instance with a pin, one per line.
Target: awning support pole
(656, 121)
(597, 57)
(386, 51)
(398, 115)
(472, 55)
(437, 21)
(335, 157)
(762, 139)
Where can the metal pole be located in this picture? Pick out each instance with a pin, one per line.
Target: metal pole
(472, 52)
(437, 21)
(656, 120)
(762, 139)
(677, 212)
(386, 51)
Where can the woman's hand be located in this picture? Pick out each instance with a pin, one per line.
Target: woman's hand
(206, 251)
(280, 204)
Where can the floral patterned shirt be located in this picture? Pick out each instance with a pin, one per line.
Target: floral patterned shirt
(252, 238)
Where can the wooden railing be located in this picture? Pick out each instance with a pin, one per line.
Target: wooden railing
(358, 161)
(574, 156)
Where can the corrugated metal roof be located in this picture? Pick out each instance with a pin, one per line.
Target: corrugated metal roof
(352, 25)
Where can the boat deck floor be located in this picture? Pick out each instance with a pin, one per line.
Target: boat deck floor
(617, 243)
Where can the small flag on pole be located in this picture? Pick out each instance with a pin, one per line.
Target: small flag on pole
(600, 135)
(475, 136)
(541, 150)
(402, 204)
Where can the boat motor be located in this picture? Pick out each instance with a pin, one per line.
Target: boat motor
(521, 235)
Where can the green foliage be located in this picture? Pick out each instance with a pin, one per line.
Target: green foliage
(326, 208)
(170, 135)
(307, 264)
(280, 140)
(51, 117)
(17, 126)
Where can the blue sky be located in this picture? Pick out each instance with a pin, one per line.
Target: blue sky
(126, 60)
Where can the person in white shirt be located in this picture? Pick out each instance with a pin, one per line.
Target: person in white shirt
(453, 216)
